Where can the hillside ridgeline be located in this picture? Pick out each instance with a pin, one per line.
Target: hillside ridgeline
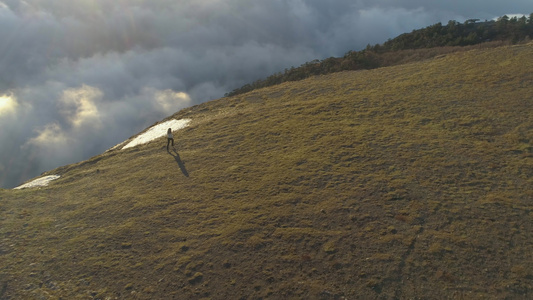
(420, 44)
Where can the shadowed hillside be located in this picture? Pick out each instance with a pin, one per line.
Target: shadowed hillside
(412, 181)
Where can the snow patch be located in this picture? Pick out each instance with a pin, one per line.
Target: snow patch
(157, 131)
(43, 181)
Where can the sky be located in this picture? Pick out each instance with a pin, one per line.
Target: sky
(78, 77)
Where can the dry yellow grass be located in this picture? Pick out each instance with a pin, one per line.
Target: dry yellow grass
(411, 181)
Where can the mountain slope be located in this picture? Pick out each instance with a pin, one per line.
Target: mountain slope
(411, 181)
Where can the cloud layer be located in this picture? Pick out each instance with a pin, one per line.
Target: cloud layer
(77, 77)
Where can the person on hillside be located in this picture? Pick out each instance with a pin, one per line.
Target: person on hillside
(170, 137)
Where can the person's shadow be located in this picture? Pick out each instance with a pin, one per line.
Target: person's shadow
(178, 160)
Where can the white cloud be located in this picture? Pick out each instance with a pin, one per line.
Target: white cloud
(171, 101)
(49, 136)
(79, 106)
(8, 104)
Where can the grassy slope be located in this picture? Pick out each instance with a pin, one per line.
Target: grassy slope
(407, 181)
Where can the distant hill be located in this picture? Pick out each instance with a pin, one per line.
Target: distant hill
(424, 43)
(403, 182)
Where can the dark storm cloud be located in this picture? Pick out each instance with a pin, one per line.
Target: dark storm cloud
(77, 77)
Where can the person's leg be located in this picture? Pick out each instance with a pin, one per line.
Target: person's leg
(168, 143)
(172, 142)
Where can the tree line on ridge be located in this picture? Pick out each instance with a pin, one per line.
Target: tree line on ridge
(454, 34)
